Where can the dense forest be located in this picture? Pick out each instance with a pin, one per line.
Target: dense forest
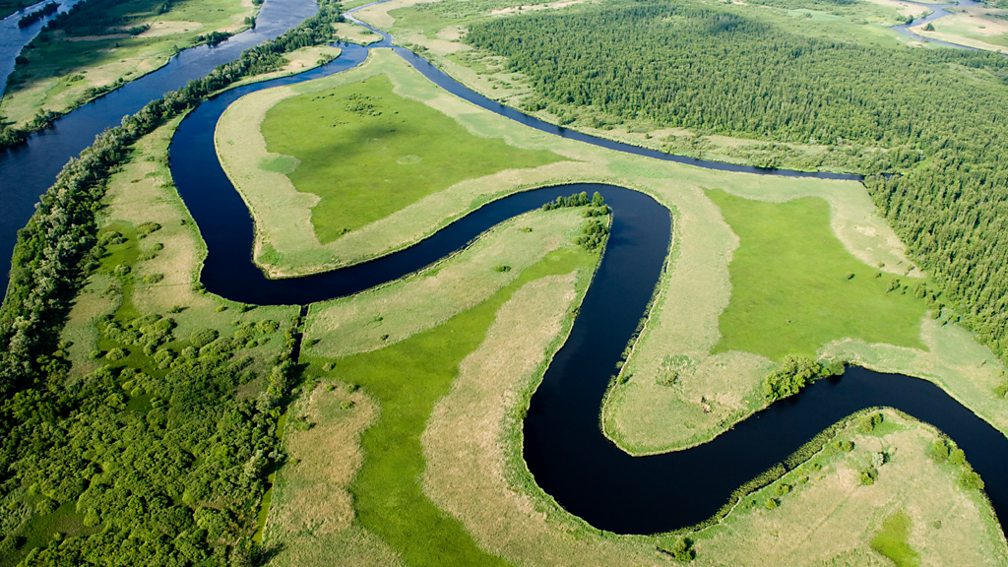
(153, 458)
(941, 113)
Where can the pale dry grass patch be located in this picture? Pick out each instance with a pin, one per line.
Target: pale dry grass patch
(467, 471)
(312, 512)
(397, 311)
(831, 518)
(355, 33)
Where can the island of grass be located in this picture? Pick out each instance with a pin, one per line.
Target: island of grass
(367, 152)
(349, 167)
(102, 44)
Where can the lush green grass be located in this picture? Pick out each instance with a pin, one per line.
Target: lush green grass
(407, 379)
(795, 287)
(891, 541)
(106, 43)
(367, 152)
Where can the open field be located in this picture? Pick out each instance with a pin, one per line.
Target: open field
(391, 313)
(435, 168)
(795, 288)
(333, 143)
(823, 513)
(106, 44)
(356, 34)
(980, 27)
(387, 493)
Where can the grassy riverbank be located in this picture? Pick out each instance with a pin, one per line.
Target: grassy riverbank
(107, 43)
(795, 288)
(720, 383)
(366, 152)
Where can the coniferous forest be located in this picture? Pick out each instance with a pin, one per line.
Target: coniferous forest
(941, 114)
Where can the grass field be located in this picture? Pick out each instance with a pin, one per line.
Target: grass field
(388, 496)
(106, 44)
(979, 27)
(400, 309)
(795, 288)
(368, 153)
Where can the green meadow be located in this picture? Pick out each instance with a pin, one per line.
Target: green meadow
(796, 288)
(367, 152)
(407, 379)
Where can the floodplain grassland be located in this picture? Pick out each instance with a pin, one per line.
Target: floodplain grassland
(481, 497)
(981, 27)
(106, 43)
(405, 380)
(367, 153)
(393, 312)
(757, 265)
(645, 413)
(795, 288)
(435, 164)
(354, 33)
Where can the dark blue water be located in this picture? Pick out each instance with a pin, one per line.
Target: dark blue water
(27, 171)
(13, 37)
(564, 446)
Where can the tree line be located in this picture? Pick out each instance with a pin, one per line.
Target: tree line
(154, 453)
(940, 114)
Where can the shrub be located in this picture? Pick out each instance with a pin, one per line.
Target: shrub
(795, 373)
(869, 476)
(680, 550)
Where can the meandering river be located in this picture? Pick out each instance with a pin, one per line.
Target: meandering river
(27, 171)
(564, 446)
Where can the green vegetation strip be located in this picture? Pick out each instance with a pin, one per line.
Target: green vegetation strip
(795, 287)
(368, 152)
(407, 379)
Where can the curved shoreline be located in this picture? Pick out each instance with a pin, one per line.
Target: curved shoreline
(568, 455)
(29, 169)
